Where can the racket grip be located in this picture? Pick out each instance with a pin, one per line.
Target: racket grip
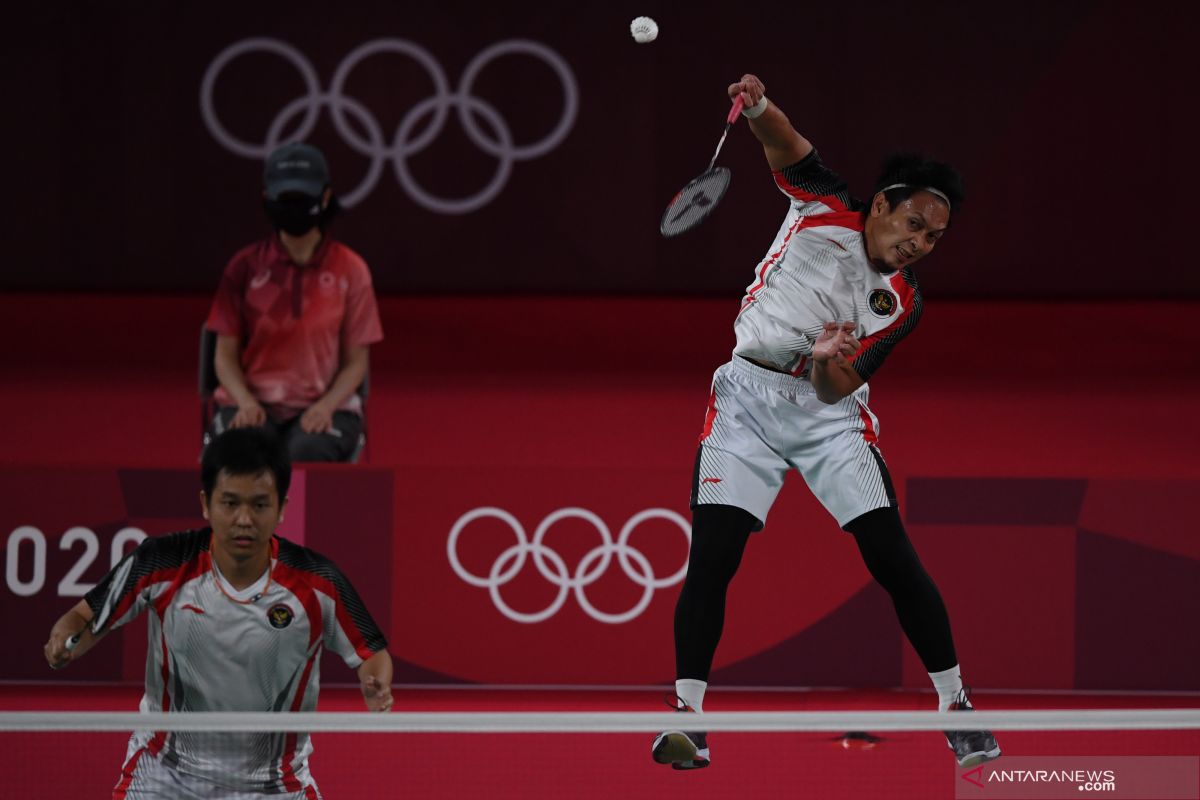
(738, 105)
(73, 641)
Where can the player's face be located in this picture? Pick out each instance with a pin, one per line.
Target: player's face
(899, 237)
(244, 511)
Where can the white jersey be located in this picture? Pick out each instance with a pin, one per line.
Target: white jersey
(817, 271)
(209, 652)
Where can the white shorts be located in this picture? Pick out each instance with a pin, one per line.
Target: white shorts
(762, 423)
(145, 777)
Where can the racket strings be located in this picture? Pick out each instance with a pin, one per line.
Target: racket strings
(694, 202)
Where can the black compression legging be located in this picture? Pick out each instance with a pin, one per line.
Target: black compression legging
(892, 561)
(719, 536)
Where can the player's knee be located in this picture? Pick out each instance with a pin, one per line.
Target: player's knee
(719, 536)
(879, 523)
(887, 552)
(723, 520)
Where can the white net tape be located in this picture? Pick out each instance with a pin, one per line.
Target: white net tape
(603, 722)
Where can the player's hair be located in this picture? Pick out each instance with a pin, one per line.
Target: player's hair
(916, 173)
(246, 451)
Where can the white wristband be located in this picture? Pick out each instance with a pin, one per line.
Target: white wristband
(755, 111)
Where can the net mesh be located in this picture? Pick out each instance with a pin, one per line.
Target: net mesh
(695, 202)
(607, 754)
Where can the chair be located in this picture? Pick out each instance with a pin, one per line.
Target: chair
(207, 385)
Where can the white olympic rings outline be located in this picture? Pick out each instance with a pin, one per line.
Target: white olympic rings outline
(401, 147)
(510, 562)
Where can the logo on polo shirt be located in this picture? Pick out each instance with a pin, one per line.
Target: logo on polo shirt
(280, 616)
(260, 280)
(882, 303)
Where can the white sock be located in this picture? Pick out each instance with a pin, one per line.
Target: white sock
(691, 692)
(948, 684)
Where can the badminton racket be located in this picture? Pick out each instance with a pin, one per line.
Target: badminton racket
(697, 200)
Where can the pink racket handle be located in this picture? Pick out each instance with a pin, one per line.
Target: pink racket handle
(738, 105)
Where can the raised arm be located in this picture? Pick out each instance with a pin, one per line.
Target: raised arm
(782, 144)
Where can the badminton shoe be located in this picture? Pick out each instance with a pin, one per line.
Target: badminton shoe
(681, 749)
(970, 747)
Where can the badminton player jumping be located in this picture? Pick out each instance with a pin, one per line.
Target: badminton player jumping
(834, 294)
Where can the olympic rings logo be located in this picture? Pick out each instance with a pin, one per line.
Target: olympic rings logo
(552, 567)
(403, 144)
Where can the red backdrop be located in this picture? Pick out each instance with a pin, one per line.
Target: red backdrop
(1053, 583)
(1043, 453)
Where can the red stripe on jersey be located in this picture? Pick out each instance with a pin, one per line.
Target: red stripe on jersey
(902, 288)
(178, 575)
(851, 220)
(868, 429)
(188, 571)
(799, 370)
(352, 632)
(160, 737)
(771, 260)
(302, 584)
(287, 774)
(297, 701)
(127, 775)
(710, 415)
(808, 197)
(905, 293)
(299, 583)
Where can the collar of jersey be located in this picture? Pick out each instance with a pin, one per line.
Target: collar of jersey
(250, 591)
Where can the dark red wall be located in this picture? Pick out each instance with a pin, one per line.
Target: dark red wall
(1069, 120)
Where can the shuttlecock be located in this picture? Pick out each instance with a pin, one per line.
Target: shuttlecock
(644, 30)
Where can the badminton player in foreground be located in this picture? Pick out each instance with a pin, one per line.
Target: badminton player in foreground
(833, 295)
(238, 618)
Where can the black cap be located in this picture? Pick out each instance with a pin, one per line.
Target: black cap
(295, 167)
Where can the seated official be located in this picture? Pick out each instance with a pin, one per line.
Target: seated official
(295, 315)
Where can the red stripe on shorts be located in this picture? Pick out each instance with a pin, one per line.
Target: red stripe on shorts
(710, 415)
(868, 428)
(127, 775)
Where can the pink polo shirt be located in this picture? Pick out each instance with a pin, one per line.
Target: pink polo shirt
(293, 321)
